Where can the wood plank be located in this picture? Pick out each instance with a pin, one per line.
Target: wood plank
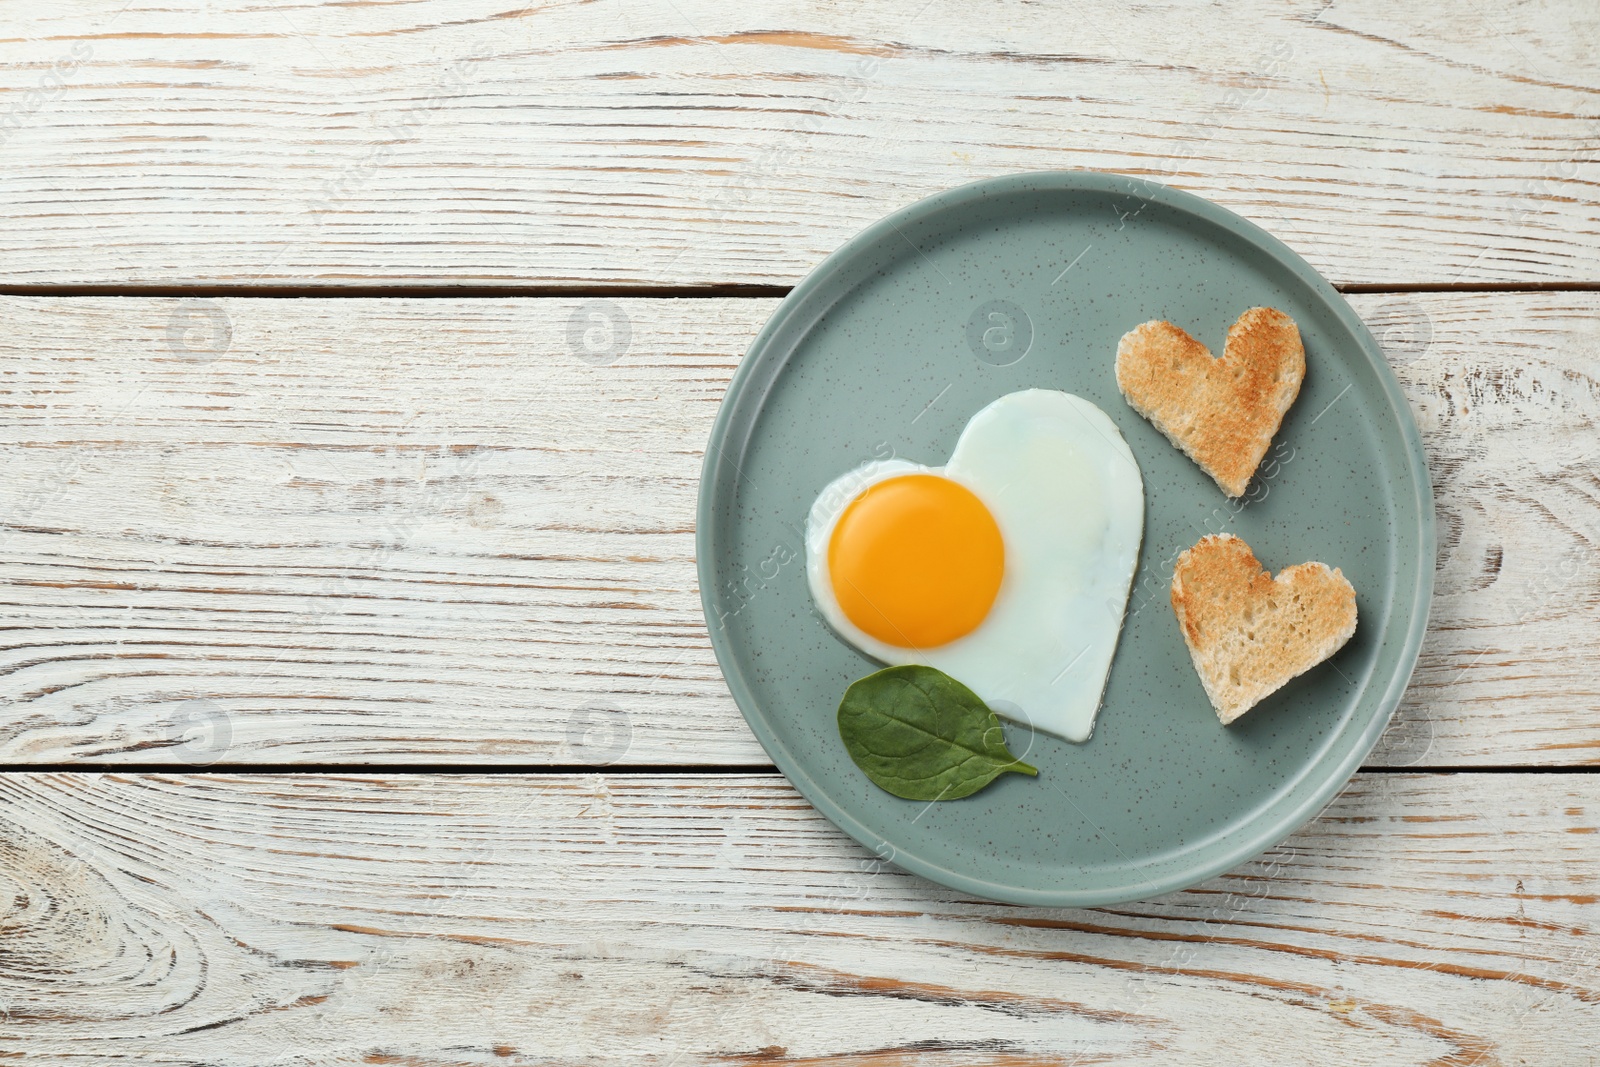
(414, 530)
(1429, 919)
(688, 142)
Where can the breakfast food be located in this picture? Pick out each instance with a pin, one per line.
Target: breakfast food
(1250, 633)
(1221, 412)
(1008, 568)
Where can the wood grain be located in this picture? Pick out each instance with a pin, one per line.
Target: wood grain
(322, 531)
(690, 143)
(1430, 919)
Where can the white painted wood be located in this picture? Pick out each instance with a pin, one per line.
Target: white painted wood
(691, 142)
(1432, 919)
(1509, 407)
(415, 530)
(430, 516)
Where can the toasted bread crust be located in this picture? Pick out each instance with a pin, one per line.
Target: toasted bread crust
(1250, 633)
(1221, 412)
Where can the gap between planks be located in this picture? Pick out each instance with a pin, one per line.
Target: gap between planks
(632, 770)
(641, 292)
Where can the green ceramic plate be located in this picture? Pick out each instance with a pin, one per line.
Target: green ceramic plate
(888, 348)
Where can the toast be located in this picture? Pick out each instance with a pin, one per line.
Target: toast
(1250, 633)
(1221, 412)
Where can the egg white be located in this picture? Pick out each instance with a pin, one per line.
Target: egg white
(1068, 497)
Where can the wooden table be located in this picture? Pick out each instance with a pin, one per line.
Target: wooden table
(356, 364)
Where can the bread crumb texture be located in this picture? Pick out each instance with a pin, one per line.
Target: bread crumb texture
(1223, 412)
(1249, 633)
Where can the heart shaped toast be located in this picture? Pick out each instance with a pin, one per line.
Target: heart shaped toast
(1250, 633)
(1221, 412)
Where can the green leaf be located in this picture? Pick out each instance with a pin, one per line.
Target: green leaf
(922, 735)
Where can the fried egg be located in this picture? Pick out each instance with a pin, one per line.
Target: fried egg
(1008, 568)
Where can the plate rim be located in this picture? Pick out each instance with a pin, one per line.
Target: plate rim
(1258, 836)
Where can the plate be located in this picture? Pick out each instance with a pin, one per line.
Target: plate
(889, 347)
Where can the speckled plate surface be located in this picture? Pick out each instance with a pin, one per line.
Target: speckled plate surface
(889, 347)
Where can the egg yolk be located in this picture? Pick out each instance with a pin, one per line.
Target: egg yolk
(916, 561)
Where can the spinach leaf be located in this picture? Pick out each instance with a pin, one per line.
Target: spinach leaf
(922, 735)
